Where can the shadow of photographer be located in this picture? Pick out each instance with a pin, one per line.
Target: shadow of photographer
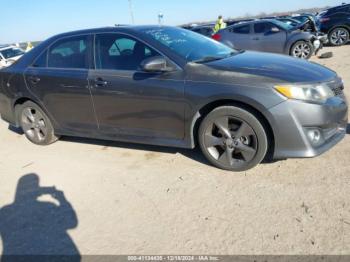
(32, 229)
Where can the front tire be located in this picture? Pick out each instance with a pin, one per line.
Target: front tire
(233, 139)
(35, 124)
(338, 36)
(302, 49)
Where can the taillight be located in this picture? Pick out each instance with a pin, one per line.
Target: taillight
(216, 37)
(324, 19)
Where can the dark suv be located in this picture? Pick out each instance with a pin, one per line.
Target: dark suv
(336, 23)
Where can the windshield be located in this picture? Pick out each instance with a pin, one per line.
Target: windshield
(189, 45)
(11, 52)
(283, 25)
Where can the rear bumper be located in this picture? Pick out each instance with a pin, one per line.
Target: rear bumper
(298, 123)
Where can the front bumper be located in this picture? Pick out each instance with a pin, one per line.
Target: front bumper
(294, 120)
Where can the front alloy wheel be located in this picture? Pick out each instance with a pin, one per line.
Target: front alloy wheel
(302, 49)
(233, 139)
(339, 36)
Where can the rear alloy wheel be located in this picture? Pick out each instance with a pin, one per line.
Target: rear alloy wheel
(36, 125)
(233, 139)
(302, 49)
(339, 36)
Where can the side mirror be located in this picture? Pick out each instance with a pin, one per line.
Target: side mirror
(155, 64)
(274, 30)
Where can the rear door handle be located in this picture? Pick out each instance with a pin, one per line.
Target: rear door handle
(256, 38)
(99, 82)
(34, 79)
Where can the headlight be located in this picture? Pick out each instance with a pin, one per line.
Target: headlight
(318, 93)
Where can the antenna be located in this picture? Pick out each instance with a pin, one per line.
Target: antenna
(160, 18)
(131, 12)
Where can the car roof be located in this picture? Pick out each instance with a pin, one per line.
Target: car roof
(254, 22)
(338, 7)
(203, 26)
(118, 28)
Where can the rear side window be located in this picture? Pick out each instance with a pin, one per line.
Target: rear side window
(243, 29)
(71, 53)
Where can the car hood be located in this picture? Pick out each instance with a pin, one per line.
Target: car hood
(276, 68)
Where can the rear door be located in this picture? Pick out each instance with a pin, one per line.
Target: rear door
(267, 37)
(240, 36)
(59, 78)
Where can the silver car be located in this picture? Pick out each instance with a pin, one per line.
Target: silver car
(270, 36)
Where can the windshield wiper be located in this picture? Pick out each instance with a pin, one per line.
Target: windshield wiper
(208, 59)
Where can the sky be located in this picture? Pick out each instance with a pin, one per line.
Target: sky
(29, 20)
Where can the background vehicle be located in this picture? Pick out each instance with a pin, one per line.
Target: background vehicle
(173, 87)
(237, 21)
(289, 21)
(336, 23)
(206, 30)
(9, 55)
(270, 36)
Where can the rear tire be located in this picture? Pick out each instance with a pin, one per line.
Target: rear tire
(233, 139)
(35, 124)
(302, 49)
(338, 36)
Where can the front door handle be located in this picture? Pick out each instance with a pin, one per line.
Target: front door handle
(34, 79)
(99, 82)
(256, 38)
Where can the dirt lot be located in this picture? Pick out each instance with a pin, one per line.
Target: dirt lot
(132, 199)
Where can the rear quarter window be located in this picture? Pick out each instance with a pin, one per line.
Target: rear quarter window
(41, 60)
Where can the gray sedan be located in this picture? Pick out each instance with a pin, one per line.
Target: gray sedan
(173, 87)
(270, 36)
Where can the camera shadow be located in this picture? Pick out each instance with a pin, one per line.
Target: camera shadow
(32, 229)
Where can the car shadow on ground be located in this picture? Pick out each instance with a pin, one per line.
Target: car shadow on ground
(34, 229)
(16, 130)
(194, 154)
(348, 129)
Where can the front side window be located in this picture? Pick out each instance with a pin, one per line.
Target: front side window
(71, 53)
(262, 28)
(120, 52)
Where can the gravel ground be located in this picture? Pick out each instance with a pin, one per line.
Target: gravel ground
(133, 199)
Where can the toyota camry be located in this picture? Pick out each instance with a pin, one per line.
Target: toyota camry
(172, 87)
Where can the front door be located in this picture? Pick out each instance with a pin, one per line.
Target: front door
(59, 78)
(267, 37)
(130, 102)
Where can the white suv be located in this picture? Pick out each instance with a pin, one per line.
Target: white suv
(9, 55)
